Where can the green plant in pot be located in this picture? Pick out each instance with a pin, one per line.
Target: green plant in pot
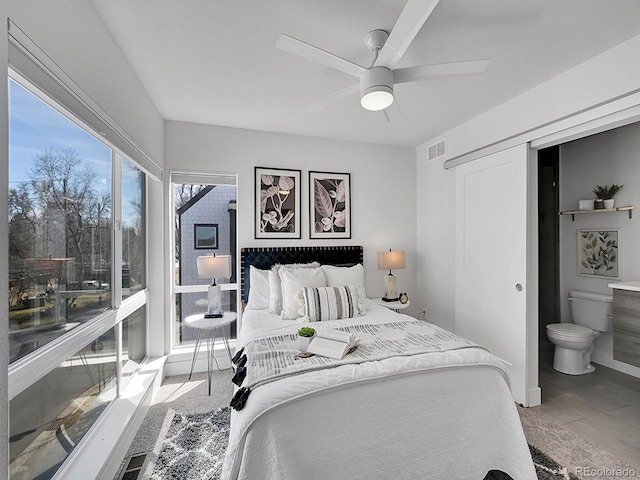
(604, 195)
(305, 335)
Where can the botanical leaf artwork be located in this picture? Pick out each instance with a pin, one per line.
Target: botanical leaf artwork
(599, 253)
(277, 207)
(329, 205)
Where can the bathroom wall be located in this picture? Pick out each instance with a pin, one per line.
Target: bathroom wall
(603, 159)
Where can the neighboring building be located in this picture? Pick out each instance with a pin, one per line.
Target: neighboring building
(212, 210)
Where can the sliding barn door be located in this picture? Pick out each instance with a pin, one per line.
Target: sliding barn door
(491, 258)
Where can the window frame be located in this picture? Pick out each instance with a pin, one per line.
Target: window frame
(35, 365)
(196, 178)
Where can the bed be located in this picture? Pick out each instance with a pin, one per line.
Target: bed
(436, 407)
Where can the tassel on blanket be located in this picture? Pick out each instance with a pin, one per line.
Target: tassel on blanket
(237, 356)
(242, 362)
(240, 398)
(238, 378)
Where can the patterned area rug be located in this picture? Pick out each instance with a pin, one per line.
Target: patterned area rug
(194, 448)
(546, 468)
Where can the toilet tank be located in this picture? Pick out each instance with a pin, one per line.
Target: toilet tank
(593, 310)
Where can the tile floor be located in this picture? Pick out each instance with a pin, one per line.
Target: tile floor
(602, 407)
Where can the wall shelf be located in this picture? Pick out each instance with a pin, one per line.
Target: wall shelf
(573, 213)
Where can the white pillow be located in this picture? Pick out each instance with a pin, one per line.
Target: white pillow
(330, 303)
(258, 289)
(275, 284)
(339, 276)
(292, 281)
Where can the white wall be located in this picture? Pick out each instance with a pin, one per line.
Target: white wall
(383, 187)
(605, 77)
(74, 36)
(610, 157)
(436, 210)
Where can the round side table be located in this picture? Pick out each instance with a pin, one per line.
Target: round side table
(396, 306)
(206, 328)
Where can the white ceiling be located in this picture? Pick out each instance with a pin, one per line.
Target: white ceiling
(215, 61)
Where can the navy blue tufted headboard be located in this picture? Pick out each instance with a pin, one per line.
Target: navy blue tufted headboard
(265, 257)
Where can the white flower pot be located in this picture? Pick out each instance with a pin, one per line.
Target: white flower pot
(609, 203)
(303, 343)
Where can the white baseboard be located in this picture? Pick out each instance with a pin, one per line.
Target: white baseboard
(179, 362)
(534, 397)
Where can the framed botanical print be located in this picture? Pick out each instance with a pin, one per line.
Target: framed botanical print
(598, 253)
(277, 203)
(329, 205)
(205, 236)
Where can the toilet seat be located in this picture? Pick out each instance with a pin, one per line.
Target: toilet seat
(570, 330)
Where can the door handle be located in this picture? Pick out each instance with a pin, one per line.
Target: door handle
(518, 287)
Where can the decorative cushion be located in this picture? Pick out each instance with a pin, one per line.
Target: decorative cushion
(351, 275)
(330, 303)
(259, 289)
(292, 281)
(339, 276)
(275, 283)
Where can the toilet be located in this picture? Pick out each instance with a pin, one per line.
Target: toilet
(591, 314)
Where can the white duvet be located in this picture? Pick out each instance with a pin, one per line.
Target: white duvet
(436, 415)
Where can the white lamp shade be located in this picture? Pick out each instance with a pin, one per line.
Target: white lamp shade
(391, 260)
(217, 266)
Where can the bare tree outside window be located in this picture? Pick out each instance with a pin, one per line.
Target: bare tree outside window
(59, 242)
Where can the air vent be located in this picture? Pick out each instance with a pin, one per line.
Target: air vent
(438, 149)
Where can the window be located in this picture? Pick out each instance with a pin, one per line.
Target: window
(49, 418)
(133, 229)
(77, 250)
(59, 224)
(205, 223)
(134, 341)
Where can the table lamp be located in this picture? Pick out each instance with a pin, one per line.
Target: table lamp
(388, 261)
(214, 267)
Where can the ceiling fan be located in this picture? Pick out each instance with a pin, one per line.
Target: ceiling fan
(376, 82)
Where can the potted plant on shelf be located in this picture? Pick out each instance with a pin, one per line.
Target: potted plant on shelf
(604, 195)
(305, 335)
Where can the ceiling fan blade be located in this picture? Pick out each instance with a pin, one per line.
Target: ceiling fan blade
(315, 54)
(409, 23)
(333, 98)
(414, 74)
(393, 113)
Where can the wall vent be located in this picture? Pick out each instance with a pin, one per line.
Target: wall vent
(438, 149)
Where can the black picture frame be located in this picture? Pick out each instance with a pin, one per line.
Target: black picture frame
(205, 236)
(329, 205)
(277, 203)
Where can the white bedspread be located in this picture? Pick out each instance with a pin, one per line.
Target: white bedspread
(436, 415)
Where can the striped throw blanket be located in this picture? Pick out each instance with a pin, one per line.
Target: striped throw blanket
(268, 359)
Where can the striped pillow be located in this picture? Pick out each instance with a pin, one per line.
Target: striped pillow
(330, 303)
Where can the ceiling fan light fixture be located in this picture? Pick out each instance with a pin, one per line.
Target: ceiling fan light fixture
(376, 88)
(377, 98)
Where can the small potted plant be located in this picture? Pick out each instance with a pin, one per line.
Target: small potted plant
(604, 195)
(305, 335)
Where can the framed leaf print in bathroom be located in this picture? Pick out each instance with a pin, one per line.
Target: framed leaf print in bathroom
(329, 205)
(599, 253)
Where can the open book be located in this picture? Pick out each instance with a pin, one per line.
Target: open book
(333, 343)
